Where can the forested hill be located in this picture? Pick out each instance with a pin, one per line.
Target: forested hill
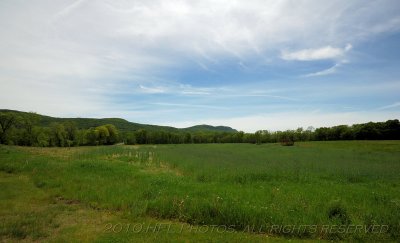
(200, 128)
(30, 129)
(122, 124)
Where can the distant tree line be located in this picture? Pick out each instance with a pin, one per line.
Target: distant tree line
(16, 129)
(389, 130)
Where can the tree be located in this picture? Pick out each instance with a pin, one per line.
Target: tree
(258, 137)
(141, 136)
(391, 129)
(71, 133)
(58, 135)
(238, 138)
(368, 130)
(188, 138)
(80, 138)
(249, 138)
(92, 136)
(112, 134)
(42, 137)
(7, 121)
(27, 123)
(130, 138)
(103, 134)
(299, 134)
(287, 138)
(321, 133)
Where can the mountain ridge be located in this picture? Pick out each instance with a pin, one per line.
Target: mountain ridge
(122, 124)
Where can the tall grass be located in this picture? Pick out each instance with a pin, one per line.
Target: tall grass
(247, 187)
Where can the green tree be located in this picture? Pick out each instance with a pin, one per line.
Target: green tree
(130, 138)
(258, 137)
(141, 136)
(103, 134)
(42, 137)
(92, 136)
(27, 123)
(113, 134)
(71, 133)
(322, 133)
(58, 135)
(239, 137)
(80, 138)
(7, 121)
(299, 134)
(249, 138)
(287, 137)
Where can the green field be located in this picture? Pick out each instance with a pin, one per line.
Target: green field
(201, 192)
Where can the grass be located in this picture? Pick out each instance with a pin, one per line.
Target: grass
(89, 193)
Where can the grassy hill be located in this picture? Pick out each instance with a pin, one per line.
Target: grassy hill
(122, 124)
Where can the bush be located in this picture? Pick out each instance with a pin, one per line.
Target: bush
(287, 143)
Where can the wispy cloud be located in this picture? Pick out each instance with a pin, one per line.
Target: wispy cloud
(175, 89)
(99, 57)
(68, 9)
(323, 53)
(391, 106)
(216, 92)
(190, 106)
(250, 94)
(152, 90)
(328, 71)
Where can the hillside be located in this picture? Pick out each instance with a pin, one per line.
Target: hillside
(122, 124)
(209, 128)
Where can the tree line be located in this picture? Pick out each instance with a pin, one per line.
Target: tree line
(16, 129)
(24, 130)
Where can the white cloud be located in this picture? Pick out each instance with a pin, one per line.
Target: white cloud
(292, 120)
(164, 87)
(152, 90)
(327, 52)
(324, 53)
(65, 56)
(190, 106)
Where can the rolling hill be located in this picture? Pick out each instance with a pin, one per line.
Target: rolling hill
(122, 124)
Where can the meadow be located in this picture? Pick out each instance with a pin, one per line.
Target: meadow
(246, 192)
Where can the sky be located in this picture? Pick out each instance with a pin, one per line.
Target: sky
(251, 65)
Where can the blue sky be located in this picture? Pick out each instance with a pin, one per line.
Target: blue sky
(247, 64)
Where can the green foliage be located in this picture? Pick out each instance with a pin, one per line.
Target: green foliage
(141, 136)
(121, 124)
(7, 121)
(92, 136)
(208, 128)
(102, 135)
(58, 136)
(30, 129)
(287, 138)
(113, 134)
(71, 133)
(42, 137)
(129, 138)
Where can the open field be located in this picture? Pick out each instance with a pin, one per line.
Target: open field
(101, 193)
